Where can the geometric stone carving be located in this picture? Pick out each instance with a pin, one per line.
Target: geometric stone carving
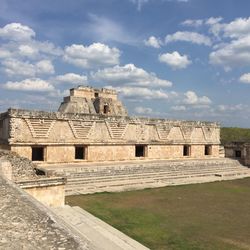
(40, 128)
(187, 132)
(142, 132)
(163, 131)
(81, 129)
(207, 132)
(175, 134)
(198, 135)
(116, 129)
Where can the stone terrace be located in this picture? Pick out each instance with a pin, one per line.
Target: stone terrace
(122, 176)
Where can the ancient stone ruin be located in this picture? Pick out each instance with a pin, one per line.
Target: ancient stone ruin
(92, 125)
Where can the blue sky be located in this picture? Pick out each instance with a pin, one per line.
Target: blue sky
(174, 59)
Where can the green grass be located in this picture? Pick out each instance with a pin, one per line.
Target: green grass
(200, 216)
(234, 134)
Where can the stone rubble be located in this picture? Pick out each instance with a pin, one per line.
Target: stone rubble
(22, 168)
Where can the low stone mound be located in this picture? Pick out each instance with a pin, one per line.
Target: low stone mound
(22, 168)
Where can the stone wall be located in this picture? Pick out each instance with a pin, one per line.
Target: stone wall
(107, 137)
(49, 191)
(238, 150)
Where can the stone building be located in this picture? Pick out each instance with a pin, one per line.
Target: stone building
(239, 150)
(93, 125)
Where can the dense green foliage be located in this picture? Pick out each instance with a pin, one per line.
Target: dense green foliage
(234, 134)
(200, 216)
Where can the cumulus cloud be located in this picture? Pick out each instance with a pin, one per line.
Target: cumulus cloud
(245, 78)
(175, 60)
(26, 50)
(45, 67)
(153, 42)
(193, 22)
(191, 98)
(187, 36)
(31, 50)
(34, 84)
(95, 55)
(72, 79)
(236, 53)
(237, 28)
(140, 92)
(213, 20)
(16, 32)
(129, 74)
(16, 68)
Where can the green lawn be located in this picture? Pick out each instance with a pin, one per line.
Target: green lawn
(200, 216)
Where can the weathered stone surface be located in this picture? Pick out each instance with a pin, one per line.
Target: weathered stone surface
(87, 100)
(105, 133)
(100, 177)
(239, 150)
(25, 224)
(22, 168)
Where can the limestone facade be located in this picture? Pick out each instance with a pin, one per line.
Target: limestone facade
(238, 150)
(93, 125)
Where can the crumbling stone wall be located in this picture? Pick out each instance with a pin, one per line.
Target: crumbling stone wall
(22, 168)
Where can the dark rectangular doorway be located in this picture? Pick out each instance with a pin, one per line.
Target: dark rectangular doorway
(79, 152)
(237, 153)
(186, 150)
(38, 154)
(139, 151)
(208, 150)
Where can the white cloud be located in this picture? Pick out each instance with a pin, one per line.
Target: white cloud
(153, 42)
(34, 84)
(72, 79)
(193, 23)
(187, 36)
(140, 92)
(16, 32)
(129, 74)
(45, 67)
(16, 68)
(236, 53)
(175, 60)
(26, 50)
(245, 78)
(191, 98)
(237, 28)
(32, 50)
(213, 20)
(143, 110)
(93, 56)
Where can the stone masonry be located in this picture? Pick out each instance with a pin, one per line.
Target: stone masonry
(92, 125)
(26, 224)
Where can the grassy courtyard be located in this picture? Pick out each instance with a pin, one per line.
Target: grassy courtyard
(200, 216)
